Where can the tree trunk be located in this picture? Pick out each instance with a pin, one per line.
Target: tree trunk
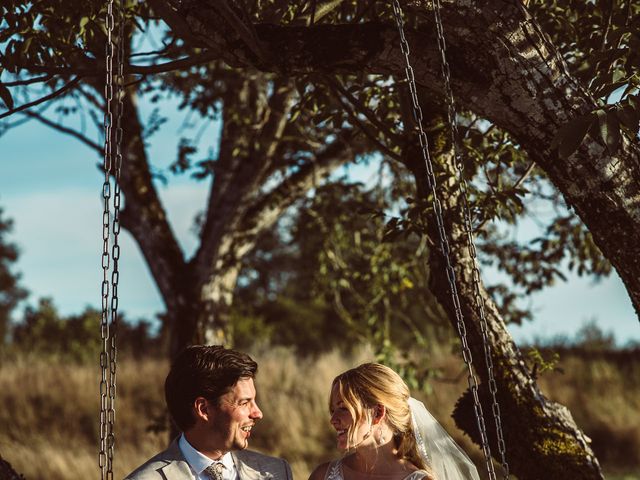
(198, 293)
(542, 439)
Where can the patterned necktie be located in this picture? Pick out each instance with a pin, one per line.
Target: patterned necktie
(214, 471)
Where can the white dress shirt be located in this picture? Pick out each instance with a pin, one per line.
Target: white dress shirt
(198, 462)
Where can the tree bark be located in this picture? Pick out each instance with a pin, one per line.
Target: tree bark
(542, 439)
(503, 68)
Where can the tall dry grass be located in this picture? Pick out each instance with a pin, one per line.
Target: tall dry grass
(602, 390)
(49, 416)
(49, 419)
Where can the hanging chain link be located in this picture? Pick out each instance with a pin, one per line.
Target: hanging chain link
(464, 195)
(444, 243)
(109, 316)
(106, 221)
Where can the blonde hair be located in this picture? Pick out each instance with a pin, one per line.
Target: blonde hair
(371, 384)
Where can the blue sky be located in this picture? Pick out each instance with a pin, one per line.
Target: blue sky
(50, 186)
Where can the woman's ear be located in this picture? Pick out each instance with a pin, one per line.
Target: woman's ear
(201, 408)
(379, 413)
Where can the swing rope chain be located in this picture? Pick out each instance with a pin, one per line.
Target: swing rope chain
(444, 244)
(475, 272)
(112, 166)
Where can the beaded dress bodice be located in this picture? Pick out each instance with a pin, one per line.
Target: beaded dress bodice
(335, 472)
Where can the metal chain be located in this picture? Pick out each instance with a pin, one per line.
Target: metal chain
(444, 244)
(106, 221)
(109, 316)
(464, 195)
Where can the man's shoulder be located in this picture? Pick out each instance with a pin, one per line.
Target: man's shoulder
(251, 456)
(148, 470)
(167, 461)
(264, 463)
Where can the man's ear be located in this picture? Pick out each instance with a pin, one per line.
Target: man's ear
(201, 408)
(379, 413)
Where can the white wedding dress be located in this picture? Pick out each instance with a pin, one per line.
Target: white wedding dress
(335, 472)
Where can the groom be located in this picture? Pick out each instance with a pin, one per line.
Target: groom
(212, 399)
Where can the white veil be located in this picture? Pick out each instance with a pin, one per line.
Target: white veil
(445, 458)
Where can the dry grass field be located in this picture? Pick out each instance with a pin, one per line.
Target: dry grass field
(49, 419)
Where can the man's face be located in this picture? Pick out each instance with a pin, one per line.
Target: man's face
(230, 423)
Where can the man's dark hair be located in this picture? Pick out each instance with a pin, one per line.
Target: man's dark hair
(203, 371)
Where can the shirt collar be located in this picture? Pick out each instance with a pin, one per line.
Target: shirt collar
(198, 461)
(227, 461)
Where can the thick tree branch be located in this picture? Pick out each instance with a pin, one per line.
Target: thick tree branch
(233, 244)
(255, 114)
(265, 211)
(168, 49)
(246, 156)
(144, 216)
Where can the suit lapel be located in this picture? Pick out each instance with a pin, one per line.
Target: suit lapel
(247, 472)
(176, 467)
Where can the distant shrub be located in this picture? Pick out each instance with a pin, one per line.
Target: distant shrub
(44, 332)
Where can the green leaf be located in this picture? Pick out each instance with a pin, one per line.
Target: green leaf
(609, 130)
(601, 126)
(24, 48)
(323, 10)
(5, 94)
(83, 24)
(571, 135)
(629, 117)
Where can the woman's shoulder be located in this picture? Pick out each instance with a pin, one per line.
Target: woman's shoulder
(419, 475)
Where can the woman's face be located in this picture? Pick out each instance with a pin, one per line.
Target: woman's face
(342, 421)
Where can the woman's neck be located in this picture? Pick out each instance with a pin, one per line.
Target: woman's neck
(374, 459)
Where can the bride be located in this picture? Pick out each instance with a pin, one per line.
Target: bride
(386, 434)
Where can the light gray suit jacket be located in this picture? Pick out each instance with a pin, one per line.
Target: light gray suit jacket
(171, 465)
